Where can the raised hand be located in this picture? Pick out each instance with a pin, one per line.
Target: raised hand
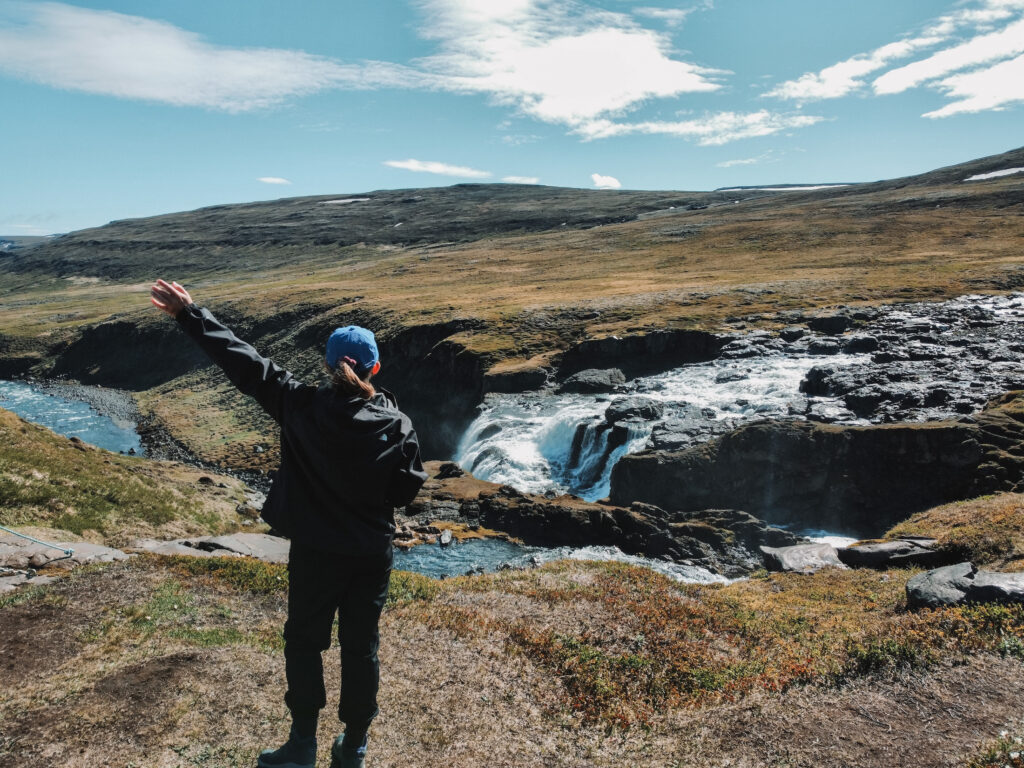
(169, 297)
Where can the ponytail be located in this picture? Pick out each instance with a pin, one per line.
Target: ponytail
(347, 383)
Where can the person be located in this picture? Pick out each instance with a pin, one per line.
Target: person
(349, 456)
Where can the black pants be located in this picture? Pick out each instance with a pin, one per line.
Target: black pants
(320, 584)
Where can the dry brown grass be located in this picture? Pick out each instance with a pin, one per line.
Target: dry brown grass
(987, 531)
(152, 663)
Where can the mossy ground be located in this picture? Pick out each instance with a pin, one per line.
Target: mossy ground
(177, 661)
(988, 531)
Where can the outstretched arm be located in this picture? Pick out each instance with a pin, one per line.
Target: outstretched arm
(252, 373)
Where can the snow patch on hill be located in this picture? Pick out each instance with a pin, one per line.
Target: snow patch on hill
(994, 174)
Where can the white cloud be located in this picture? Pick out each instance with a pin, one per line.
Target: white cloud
(521, 179)
(605, 182)
(132, 57)
(745, 161)
(273, 180)
(979, 50)
(443, 169)
(555, 60)
(846, 76)
(985, 89)
(710, 130)
(671, 16)
(979, 73)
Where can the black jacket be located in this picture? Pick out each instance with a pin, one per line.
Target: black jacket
(346, 462)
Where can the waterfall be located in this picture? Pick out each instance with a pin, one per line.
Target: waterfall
(968, 348)
(543, 442)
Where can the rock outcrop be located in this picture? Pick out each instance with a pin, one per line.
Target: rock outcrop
(900, 553)
(801, 558)
(262, 546)
(963, 583)
(725, 541)
(859, 479)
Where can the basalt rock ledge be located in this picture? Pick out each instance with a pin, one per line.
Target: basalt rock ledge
(857, 479)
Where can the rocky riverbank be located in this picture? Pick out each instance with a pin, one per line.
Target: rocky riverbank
(723, 541)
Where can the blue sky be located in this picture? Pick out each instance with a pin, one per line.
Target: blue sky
(120, 109)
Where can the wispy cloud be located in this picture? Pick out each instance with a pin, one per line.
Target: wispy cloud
(442, 169)
(746, 160)
(991, 88)
(517, 139)
(273, 180)
(710, 130)
(974, 59)
(605, 182)
(847, 76)
(673, 17)
(520, 179)
(132, 57)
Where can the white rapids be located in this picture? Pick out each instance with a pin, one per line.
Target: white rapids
(526, 440)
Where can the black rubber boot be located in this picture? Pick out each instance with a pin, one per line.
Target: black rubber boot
(347, 754)
(297, 752)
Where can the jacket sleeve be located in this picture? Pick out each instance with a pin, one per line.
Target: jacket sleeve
(252, 373)
(409, 476)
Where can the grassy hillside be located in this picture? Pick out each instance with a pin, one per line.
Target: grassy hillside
(50, 481)
(175, 661)
(485, 277)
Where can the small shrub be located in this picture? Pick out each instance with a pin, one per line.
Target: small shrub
(1005, 752)
(242, 573)
(407, 587)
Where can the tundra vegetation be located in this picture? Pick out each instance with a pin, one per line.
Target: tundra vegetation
(176, 661)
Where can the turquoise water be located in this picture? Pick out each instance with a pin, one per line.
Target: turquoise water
(491, 554)
(71, 418)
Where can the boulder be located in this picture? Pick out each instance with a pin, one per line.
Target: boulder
(20, 553)
(446, 538)
(449, 469)
(824, 347)
(940, 587)
(830, 324)
(963, 583)
(178, 547)
(860, 344)
(801, 558)
(634, 408)
(12, 582)
(901, 553)
(593, 381)
(262, 546)
(994, 587)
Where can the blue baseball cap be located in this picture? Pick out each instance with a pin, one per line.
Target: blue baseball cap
(353, 342)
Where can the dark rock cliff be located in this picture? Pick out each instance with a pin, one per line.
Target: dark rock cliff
(855, 479)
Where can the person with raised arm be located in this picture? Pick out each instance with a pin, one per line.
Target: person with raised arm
(349, 457)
